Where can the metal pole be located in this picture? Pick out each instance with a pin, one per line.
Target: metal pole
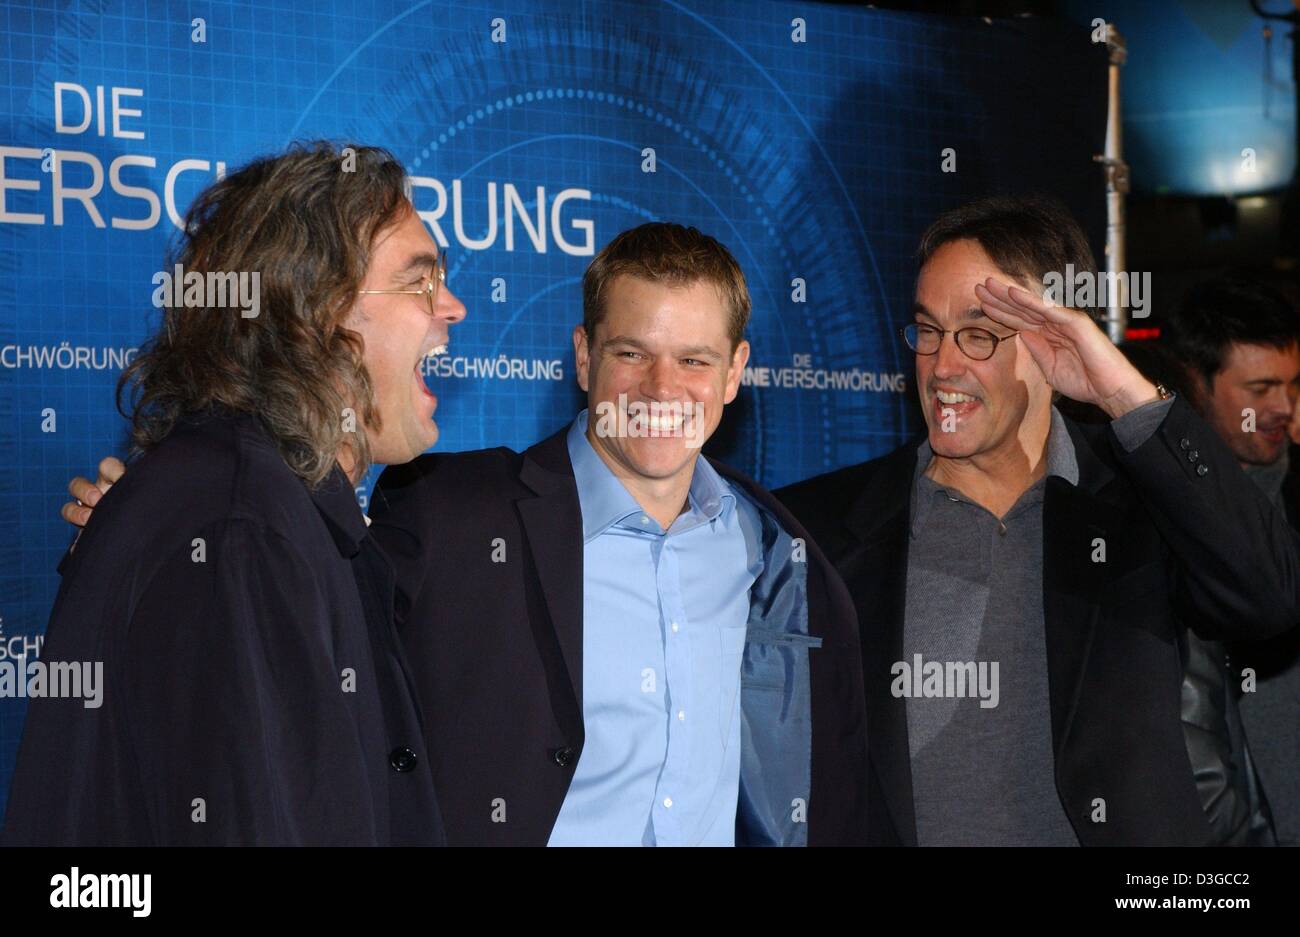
(1117, 186)
(1289, 219)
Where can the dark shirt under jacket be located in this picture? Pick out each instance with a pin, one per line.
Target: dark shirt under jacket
(256, 697)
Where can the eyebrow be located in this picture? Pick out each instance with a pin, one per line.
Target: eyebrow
(974, 312)
(693, 351)
(415, 263)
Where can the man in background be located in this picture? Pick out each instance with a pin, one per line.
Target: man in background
(1239, 342)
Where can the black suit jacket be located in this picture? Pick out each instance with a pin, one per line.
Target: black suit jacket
(254, 690)
(488, 547)
(1190, 542)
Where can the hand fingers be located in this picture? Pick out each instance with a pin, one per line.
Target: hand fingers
(1049, 311)
(110, 471)
(76, 514)
(81, 489)
(1031, 310)
(1006, 313)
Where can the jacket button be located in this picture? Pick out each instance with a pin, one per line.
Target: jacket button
(402, 759)
(1184, 444)
(1193, 455)
(562, 757)
(1202, 469)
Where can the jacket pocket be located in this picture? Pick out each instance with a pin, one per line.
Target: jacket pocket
(772, 658)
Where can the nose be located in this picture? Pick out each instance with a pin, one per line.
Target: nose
(660, 381)
(1280, 404)
(949, 360)
(448, 307)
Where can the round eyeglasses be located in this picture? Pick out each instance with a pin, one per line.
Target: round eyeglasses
(974, 342)
(431, 284)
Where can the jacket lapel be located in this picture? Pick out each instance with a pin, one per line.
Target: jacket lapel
(1074, 517)
(552, 522)
(875, 568)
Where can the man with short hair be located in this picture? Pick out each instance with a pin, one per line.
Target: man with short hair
(255, 691)
(1239, 341)
(619, 640)
(1022, 581)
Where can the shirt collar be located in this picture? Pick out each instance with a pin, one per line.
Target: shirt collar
(336, 501)
(1062, 461)
(1269, 478)
(605, 502)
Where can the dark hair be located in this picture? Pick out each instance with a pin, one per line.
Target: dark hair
(1224, 310)
(662, 252)
(1157, 364)
(305, 221)
(1026, 236)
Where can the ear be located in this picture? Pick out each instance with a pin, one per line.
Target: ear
(581, 356)
(739, 358)
(1200, 390)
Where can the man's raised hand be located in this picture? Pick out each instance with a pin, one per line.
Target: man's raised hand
(1076, 356)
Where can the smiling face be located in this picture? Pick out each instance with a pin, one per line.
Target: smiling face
(1260, 378)
(399, 333)
(657, 345)
(999, 408)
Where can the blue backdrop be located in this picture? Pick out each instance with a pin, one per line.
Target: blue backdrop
(811, 140)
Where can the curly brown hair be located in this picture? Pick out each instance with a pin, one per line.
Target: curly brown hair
(305, 221)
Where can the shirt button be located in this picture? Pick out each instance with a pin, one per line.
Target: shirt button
(674, 627)
(562, 757)
(1202, 469)
(1193, 455)
(1184, 444)
(645, 519)
(681, 715)
(668, 801)
(402, 759)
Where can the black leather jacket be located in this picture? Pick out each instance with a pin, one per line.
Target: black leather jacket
(1225, 775)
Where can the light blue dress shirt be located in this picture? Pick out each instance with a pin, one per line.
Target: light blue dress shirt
(663, 631)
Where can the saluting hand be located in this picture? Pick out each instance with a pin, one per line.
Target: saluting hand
(1075, 355)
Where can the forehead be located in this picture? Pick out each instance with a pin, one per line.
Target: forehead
(639, 305)
(400, 240)
(1256, 362)
(945, 286)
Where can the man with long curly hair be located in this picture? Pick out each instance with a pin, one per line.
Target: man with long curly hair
(254, 691)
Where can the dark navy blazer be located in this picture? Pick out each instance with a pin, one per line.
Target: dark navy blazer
(254, 691)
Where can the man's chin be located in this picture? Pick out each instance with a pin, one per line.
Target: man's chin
(1263, 457)
(417, 440)
(660, 458)
(959, 445)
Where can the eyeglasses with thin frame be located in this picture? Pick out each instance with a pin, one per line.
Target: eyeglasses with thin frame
(975, 343)
(431, 284)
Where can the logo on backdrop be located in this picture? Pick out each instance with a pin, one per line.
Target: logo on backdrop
(52, 185)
